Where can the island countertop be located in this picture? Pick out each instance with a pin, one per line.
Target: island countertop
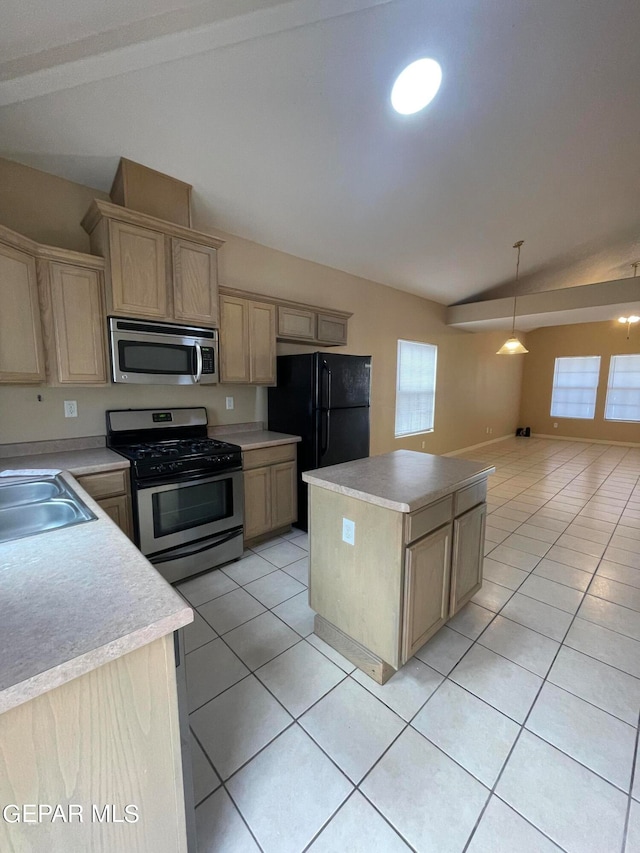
(404, 480)
(73, 599)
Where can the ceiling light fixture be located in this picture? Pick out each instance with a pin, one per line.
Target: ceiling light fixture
(416, 86)
(512, 345)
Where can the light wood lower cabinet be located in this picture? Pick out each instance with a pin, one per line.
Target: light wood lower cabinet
(468, 550)
(118, 509)
(270, 490)
(257, 502)
(247, 341)
(111, 491)
(109, 738)
(426, 589)
(21, 349)
(380, 598)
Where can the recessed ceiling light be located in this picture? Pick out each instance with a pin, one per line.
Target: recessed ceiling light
(416, 86)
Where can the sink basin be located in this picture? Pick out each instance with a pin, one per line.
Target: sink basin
(35, 506)
(17, 494)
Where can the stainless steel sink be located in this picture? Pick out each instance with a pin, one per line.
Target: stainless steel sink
(31, 491)
(33, 506)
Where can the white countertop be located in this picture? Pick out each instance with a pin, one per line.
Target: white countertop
(403, 480)
(75, 598)
(253, 439)
(78, 462)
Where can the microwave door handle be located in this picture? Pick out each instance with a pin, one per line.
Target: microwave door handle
(198, 374)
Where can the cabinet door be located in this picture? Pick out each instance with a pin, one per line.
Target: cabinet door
(262, 343)
(234, 340)
(296, 323)
(119, 511)
(466, 564)
(195, 283)
(283, 494)
(79, 325)
(426, 590)
(138, 273)
(332, 329)
(21, 352)
(257, 502)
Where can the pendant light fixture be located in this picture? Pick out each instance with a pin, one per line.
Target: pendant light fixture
(632, 319)
(512, 345)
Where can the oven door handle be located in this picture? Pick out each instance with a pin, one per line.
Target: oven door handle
(197, 376)
(215, 540)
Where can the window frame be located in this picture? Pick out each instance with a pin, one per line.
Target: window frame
(612, 362)
(431, 390)
(559, 358)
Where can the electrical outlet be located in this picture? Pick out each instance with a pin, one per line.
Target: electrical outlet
(490, 430)
(487, 430)
(70, 409)
(555, 426)
(348, 531)
(229, 402)
(422, 445)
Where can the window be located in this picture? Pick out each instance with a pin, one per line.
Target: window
(623, 389)
(415, 387)
(575, 383)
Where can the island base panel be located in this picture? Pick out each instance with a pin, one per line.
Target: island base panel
(367, 661)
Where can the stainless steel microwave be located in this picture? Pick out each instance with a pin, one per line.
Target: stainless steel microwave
(149, 353)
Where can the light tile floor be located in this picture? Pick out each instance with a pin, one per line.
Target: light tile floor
(514, 730)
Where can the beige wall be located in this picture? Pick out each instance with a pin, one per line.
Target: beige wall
(545, 345)
(476, 390)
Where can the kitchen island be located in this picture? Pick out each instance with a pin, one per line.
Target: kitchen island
(396, 549)
(88, 695)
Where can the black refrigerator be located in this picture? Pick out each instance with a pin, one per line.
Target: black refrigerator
(324, 398)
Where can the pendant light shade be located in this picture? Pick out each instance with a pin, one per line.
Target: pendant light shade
(513, 346)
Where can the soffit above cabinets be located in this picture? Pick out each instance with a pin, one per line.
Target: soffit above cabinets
(589, 303)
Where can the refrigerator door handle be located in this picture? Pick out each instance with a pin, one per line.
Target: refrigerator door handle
(326, 405)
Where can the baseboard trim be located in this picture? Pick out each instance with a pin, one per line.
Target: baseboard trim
(482, 444)
(585, 440)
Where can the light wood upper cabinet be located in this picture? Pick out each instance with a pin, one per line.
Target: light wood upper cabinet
(468, 549)
(247, 341)
(195, 283)
(234, 340)
(137, 271)
(21, 349)
(155, 270)
(332, 329)
(74, 322)
(262, 343)
(296, 323)
(426, 590)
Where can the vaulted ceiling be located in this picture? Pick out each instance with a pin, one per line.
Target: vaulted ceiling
(279, 115)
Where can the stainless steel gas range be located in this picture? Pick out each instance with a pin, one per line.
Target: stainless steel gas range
(186, 488)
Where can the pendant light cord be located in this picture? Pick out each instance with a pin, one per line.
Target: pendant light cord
(517, 246)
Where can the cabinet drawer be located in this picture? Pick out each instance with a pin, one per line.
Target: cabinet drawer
(469, 497)
(105, 484)
(424, 520)
(268, 456)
